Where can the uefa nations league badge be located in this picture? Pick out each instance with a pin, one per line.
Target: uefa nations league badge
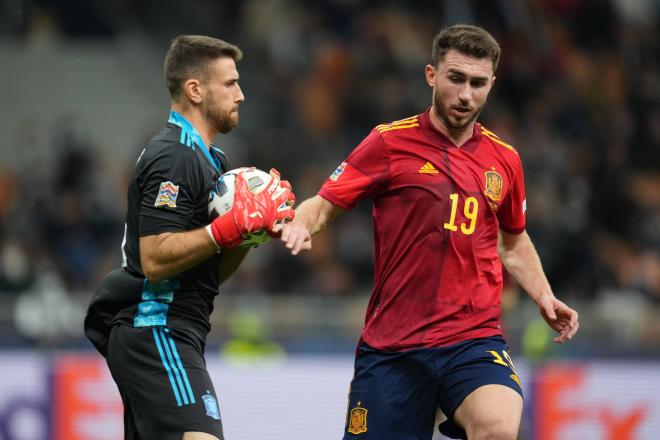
(211, 405)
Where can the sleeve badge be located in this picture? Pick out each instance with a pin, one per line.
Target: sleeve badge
(167, 194)
(340, 169)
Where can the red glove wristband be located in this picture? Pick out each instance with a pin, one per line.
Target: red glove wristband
(224, 231)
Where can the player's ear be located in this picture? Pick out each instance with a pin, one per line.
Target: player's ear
(193, 91)
(430, 73)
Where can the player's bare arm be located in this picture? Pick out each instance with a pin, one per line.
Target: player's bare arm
(521, 260)
(168, 254)
(230, 259)
(312, 216)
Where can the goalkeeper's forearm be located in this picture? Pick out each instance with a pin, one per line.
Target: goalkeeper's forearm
(230, 259)
(168, 254)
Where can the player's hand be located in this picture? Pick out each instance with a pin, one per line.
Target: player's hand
(284, 185)
(295, 236)
(559, 317)
(283, 197)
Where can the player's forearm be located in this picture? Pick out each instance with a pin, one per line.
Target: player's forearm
(166, 255)
(521, 260)
(230, 259)
(315, 213)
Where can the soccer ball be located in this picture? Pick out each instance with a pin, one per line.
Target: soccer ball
(221, 198)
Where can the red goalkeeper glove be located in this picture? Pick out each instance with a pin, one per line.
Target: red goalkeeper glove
(253, 212)
(283, 189)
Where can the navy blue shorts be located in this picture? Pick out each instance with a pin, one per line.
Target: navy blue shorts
(395, 395)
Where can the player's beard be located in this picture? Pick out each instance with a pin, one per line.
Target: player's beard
(223, 120)
(444, 115)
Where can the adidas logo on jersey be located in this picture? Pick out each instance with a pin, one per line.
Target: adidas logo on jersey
(428, 168)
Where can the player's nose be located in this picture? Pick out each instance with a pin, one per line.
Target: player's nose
(465, 93)
(240, 97)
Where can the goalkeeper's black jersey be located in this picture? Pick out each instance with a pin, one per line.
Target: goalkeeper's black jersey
(168, 192)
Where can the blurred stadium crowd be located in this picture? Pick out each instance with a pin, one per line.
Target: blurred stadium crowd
(577, 93)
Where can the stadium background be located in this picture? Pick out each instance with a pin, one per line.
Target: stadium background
(578, 94)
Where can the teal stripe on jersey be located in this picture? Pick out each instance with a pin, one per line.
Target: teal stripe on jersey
(162, 291)
(168, 369)
(152, 311)
(193, 135)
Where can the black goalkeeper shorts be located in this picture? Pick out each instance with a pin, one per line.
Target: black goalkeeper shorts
(163, 382)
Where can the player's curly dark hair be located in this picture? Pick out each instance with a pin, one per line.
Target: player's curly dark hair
(190, 56)
(468, 40)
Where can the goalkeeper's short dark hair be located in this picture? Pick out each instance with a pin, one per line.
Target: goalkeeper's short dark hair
(190, 56)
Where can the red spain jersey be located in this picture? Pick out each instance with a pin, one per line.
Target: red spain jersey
(436, 213)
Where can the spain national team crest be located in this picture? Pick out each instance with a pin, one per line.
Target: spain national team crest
(493, 185)
(357, 420)
(340, 169)
(167, 194)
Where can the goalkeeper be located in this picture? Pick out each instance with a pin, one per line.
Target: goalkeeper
(150, 318)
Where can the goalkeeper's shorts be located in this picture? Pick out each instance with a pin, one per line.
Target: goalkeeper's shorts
(163, 382)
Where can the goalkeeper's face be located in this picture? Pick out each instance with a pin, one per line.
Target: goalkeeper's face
(222, 95)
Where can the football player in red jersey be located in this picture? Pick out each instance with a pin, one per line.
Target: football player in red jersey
(448, 206)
